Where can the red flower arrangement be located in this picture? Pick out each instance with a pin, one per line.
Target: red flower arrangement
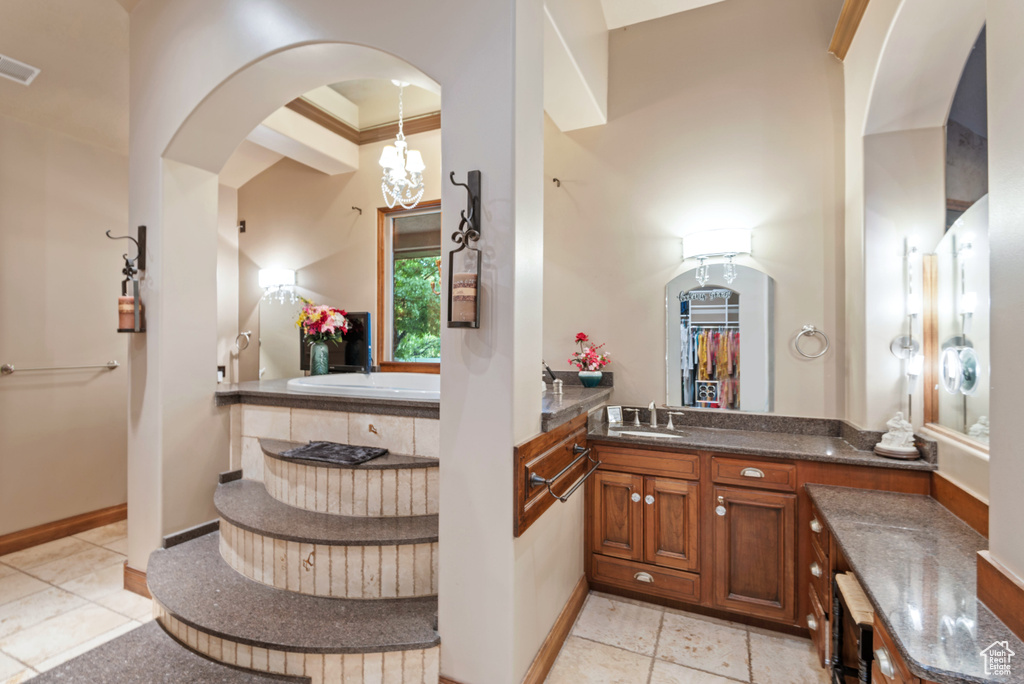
(589, 358)
(323, 323)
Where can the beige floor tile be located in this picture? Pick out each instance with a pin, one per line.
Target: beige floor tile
(704, 645)
(45, 553)
(22, 676)
(118, 546)
(35, 608)
(50, 638)
(65, 656)
(129, 604)
(10, 668)
(18, 585)
(102, 536)
(77, 565)
(6, 570)
(587, 661)
(670, 673)
(615, 623)
(97, 583)
(777, 659)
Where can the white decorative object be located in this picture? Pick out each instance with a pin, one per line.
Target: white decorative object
(979, 430)
(402, 181)
(898, 442)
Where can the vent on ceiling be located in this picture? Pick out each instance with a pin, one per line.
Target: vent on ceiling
(17, 71)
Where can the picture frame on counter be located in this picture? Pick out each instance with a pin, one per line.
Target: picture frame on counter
(614, 414)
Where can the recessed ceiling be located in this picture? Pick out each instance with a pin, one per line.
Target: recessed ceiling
(619, 13)
(377, 100)
(81, 46)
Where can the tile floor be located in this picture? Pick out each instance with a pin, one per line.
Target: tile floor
(62, 598)
(619, 641)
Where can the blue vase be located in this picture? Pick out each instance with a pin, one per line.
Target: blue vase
(590, 378)
(318, 353)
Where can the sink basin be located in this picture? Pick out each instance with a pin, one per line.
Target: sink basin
(637, 433)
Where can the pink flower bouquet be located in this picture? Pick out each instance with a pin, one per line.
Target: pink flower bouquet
(589, 358)
(323, 323)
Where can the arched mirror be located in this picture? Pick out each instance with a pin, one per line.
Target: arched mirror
(719, 341)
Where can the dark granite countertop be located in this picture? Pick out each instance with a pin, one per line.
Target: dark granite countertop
(574, 401)
(247, 505)
(276, 393)
(800, 447)
(198, 587)
(917, 563)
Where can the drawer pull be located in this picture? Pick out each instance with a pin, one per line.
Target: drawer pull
(816, 527)
(885, 662)
(815, 569)
(752, 472)
(643, 577)
(648, 499)
(635, 498)
(812, 624)
(720, 508)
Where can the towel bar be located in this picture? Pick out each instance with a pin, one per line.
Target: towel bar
(582, 453)
(8, 368)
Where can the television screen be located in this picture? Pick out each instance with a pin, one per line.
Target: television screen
(352, 354)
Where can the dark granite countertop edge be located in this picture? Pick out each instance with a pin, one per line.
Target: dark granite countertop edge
(420, 463)
(576, 406)
(286, 536)
(407, 408)
(918, 669)
(860, 458)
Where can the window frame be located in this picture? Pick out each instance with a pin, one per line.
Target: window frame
(385, 257)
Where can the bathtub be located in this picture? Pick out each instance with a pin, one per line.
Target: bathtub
(416, 386)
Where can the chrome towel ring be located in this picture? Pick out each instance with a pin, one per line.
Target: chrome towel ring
(238, 340)
(811, 331)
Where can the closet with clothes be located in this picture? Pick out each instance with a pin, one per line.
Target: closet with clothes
(709, 326)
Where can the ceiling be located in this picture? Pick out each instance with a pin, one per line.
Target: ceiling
(619, 13)
(377, 101)
(81, 46)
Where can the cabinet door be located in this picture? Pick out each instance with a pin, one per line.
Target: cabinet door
(618, 513)
(755, 552)
(671, 522)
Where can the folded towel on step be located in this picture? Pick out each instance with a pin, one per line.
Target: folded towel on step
(332, 452)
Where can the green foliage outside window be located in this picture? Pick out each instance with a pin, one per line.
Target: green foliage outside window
(417, 313)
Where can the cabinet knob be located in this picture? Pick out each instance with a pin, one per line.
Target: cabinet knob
(885, 662)
(720, 508)
(635, 498)
(812, 624)
(752, 472)
(648, 499)
(816, 527)
(815, 569)
(643, 577)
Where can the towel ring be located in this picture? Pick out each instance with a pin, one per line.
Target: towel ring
(238, 339)
(811, 331)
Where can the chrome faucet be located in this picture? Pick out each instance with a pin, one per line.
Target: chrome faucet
(654, 415)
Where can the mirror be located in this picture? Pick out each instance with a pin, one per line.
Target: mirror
(960, 293)
(277, 339)
(705, 326)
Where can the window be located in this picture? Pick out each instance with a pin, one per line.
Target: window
(409, 288)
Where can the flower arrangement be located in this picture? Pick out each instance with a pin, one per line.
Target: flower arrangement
(589, 358)
(322, 323)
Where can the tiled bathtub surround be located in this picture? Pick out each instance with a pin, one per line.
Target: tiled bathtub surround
(419, 666)
(358, 572)
(353, 491)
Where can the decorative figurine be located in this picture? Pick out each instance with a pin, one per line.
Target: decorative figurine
(898, 442)
(979, 430)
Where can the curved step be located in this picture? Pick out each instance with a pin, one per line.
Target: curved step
(325, 555)
(393, 485)
(217, 612)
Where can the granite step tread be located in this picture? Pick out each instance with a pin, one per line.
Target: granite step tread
(246, 504)
(195, 585)
(390, 461)
(148, 655)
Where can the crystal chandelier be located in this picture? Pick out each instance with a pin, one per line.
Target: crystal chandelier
(402, 180)
(724, 243)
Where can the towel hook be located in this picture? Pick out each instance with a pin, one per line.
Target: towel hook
(811, 331)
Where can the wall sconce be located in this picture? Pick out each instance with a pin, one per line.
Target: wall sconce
(465, 260)
(279, 284)
(130, 312)
(725, 242)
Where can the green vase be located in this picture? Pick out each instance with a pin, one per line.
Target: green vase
(318, 353)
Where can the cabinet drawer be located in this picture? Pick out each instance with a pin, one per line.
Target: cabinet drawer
(818, 625)
(819, 533)
(821, 583)
(649, 462)
(885, 650)
(778, 476)
(648, 579)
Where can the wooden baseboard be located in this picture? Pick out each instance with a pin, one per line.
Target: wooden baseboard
(960, 502)
(545, 658)
(135, 581)
(1002, 592)
(40, 534)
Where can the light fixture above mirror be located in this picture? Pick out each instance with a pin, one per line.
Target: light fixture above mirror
(278, 284)
(727, 243)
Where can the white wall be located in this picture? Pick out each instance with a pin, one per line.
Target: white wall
(227, 281)
(727, 114)
(62, 433)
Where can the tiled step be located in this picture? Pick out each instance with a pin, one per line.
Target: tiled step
(322, 554)
(393, 485)
(219, 613)
(147, 655)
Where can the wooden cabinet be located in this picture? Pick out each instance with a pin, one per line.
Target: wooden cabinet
(671, 523)
(755, 552)
(887, 667)
(618, 514)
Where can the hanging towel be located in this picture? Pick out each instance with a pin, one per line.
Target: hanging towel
(332, 452)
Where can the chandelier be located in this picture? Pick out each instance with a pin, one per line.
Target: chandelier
(402, 180)
(724, 243)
